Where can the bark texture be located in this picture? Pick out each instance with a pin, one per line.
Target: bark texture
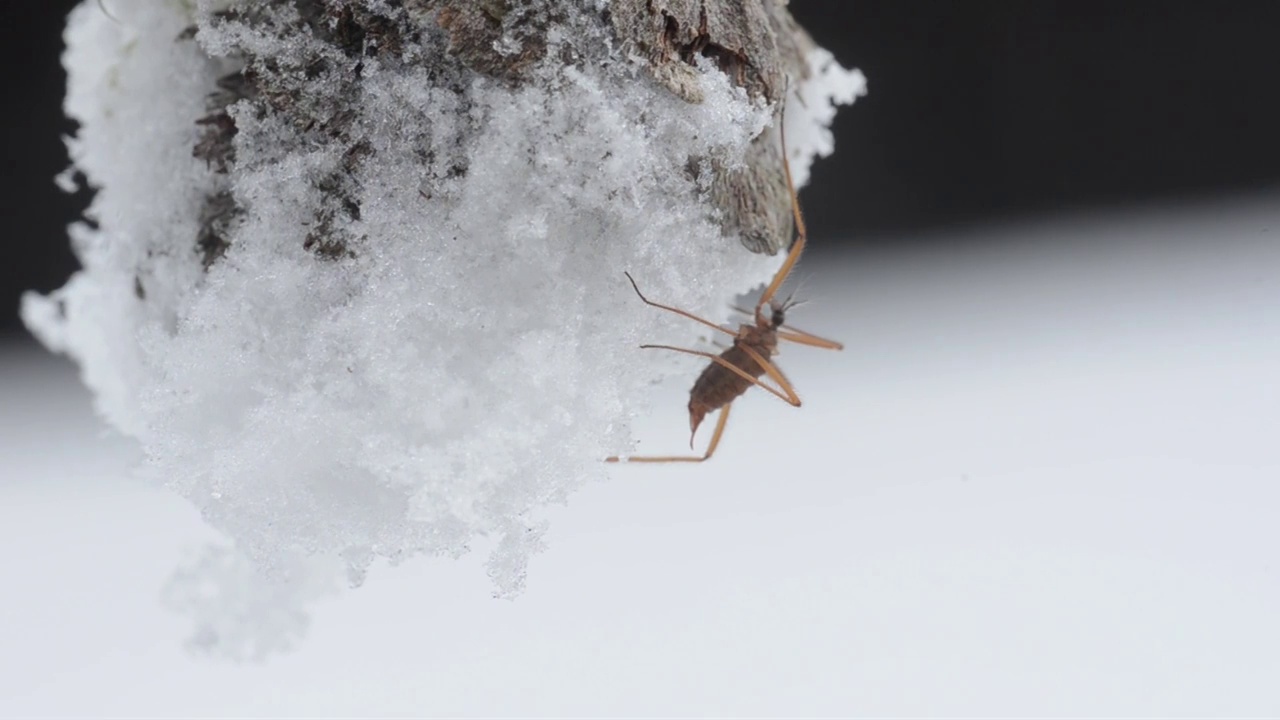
(759, 45)
(755, 42)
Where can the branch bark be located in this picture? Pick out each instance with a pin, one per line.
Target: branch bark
(755, 42)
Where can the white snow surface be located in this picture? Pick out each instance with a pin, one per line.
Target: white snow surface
(469, 366)
(1039, 482)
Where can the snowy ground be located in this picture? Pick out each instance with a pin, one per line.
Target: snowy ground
(1042, 479)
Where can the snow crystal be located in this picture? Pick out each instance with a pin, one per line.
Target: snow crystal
(812, 107)
(459, 357)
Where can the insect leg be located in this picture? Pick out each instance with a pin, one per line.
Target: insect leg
(797, 246)
(773, 372)
(804, 338)
(796, 335)
(711, 448)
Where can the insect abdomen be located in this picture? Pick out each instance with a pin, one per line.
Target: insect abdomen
(718, 386)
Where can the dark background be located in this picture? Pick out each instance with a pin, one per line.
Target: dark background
(978, 110)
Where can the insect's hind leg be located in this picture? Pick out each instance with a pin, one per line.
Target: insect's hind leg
(711, 448)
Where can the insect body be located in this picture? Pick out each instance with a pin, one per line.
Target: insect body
(749, 359)
(718, 386)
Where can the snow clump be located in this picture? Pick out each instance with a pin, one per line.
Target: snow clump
(397, 338)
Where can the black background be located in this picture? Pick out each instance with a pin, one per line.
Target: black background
(977, 110)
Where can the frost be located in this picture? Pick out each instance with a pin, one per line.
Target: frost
(403, 328)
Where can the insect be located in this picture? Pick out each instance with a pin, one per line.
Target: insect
(741, 365)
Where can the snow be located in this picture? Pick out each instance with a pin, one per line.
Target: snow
(1040, 481)
(812, 108)
(463, 361)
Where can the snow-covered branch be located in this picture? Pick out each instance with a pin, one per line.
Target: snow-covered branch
(353, 273)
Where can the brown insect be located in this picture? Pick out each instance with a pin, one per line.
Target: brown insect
(741, 365)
